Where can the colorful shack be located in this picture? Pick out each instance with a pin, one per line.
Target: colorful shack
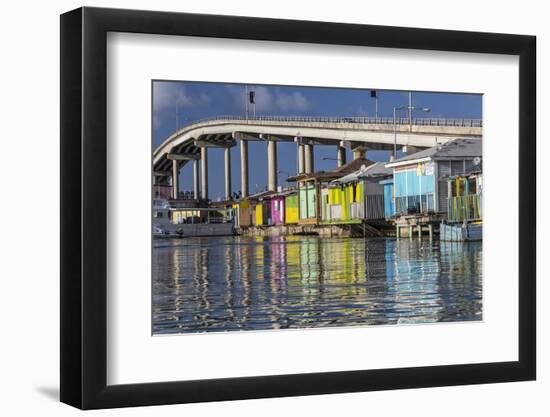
(267, 208)
(243, 213)
(314, 193)
(277, 209)
(421, 179)
(284, 207)
(465, 196)
(362, 195)
(464, 220)
(291, 207)
(389, 207)
(260, 207)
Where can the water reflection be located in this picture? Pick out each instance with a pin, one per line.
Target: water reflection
(238, 283)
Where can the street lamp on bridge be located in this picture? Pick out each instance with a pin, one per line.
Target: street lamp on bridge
(410, 108)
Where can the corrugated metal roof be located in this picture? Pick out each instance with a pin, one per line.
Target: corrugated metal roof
(376, 170)
(259, 196)
(336, 173)
(285, 193)
(457, 148)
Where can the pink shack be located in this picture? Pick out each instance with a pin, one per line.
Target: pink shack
(278, 207)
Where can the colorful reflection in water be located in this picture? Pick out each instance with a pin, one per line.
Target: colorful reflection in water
(239, 283)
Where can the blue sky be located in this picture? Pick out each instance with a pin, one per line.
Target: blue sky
(200, 100)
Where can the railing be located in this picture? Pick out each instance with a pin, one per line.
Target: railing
(444, 122)
(414, 204)
(466, 207)
(185, 195)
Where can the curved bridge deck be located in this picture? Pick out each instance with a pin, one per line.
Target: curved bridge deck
(356, 133)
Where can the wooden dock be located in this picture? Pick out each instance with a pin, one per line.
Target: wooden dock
(419, 223)
(359, 229)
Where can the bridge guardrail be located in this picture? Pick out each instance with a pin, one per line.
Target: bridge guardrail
(443, 122)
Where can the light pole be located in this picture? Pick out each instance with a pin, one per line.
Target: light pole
(246, 101)
(249, 98)
(252, 100)
(374, 95)
(410, 109)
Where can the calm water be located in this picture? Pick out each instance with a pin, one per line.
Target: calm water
(238, 283)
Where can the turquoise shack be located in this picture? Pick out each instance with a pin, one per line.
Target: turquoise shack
(389, 207)
(420, 180)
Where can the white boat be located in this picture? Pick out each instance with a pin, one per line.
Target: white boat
(162, 227)
(167, 223)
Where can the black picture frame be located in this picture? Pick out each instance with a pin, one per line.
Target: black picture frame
(84, 207)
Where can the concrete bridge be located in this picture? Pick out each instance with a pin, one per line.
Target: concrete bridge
(191, 143)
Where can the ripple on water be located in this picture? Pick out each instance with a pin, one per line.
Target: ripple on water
(238, 283)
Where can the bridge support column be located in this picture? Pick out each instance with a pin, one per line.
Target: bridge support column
(341, 156)
(244, 168)
(300, 159)
(227, 173)
(175, 179)
(309, 166)
(272, 165)
(196, 179)
(204, 173)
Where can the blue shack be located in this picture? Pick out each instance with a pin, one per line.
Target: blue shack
(420, 180)
(389, 207)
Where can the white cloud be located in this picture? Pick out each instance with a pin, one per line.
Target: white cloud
(294, 101)
(165, 96)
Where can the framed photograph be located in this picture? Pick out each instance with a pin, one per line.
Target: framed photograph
(257, 208)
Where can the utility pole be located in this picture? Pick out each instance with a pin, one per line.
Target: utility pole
(395, 132)
(374, 94)
(252, 100)
(246, 100)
